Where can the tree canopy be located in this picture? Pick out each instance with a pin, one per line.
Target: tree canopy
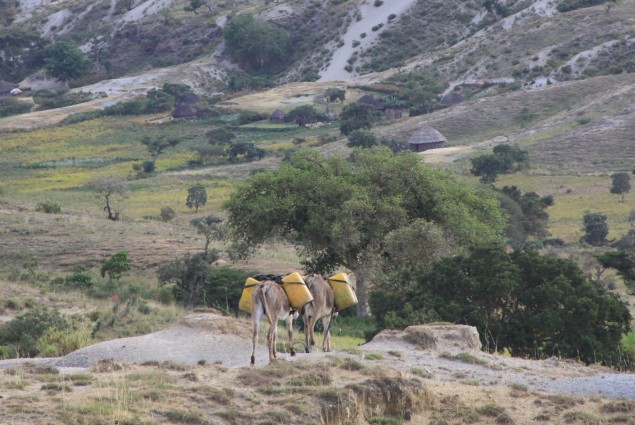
(256, 44)
(503, 160)
(621, 184)
(66, 61)
(196, 196)
(357, 116)
(595, 229)
(339, 212)
(529, 304)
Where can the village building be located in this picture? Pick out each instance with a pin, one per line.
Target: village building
(277, 116)
(426, 138)
(390, 112)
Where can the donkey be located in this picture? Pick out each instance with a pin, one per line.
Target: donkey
(270, 300)
(322, 307)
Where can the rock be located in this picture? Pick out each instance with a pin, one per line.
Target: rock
(451, 338)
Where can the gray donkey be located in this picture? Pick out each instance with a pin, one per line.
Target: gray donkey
(270, 300)
(322, 307)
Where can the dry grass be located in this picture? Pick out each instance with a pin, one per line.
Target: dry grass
(295, 392)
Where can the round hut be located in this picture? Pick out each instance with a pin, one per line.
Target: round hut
(426, 138)
(277, 116)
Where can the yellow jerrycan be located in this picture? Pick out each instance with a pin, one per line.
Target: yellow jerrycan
(245, 302)
(297, 291)
(343, 291)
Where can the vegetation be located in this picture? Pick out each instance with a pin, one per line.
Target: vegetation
(595, 229)
(349, 212)
(256, 44)
(108, 187)
(190, 273)
(621, 184)
(65, 61)
(115, 266)
(361, 139)
(515, 300)
(357, 116)
(504, 159)
(196, 196)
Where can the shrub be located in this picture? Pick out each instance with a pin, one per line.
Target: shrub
(79, 279)
(167, 213)
(10, 106)
(23, 332)
(378, 3)
(165, 295)
(59, 342)
(48, 207)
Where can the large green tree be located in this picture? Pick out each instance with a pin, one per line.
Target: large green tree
(256, 44)
(339, 212)
(65, 61)
(522, 302)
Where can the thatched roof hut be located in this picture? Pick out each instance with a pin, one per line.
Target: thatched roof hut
(426, 138)
(277, 116)
(369, 99)
(188, 98)
(184, 111)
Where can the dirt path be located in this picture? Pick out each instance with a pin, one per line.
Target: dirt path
(214, 339)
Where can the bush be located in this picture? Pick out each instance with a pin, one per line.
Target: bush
(48, 207)
(59, 342)
(167, 213)
(165, 295)
(79, 279)
(10, 106)
(23, 332)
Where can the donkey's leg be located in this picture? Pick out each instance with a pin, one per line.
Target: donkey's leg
(305, 320)
(255, 317)
(326, 324)
(289, 321)
(271, 341)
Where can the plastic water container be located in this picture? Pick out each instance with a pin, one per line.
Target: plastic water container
(297, 291)
(245, 302)
(343, 291)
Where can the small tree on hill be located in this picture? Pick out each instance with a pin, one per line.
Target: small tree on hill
(220, 136)
(621, 184)
(115, 266)
(189, 273)
(595, 229)
(256, 44)
(357, 116)
(109, 186)
(504, 159)
(211, 228)
(196, 196)
(65, 61)
(302, 115)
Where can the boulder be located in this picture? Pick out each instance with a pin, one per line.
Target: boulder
(450, 338)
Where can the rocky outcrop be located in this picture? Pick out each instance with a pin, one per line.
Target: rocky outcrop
(450, 338)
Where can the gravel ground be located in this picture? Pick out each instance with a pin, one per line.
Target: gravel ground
(217, 339)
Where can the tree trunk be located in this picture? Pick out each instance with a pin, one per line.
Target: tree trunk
(362, 287)
(191, 289)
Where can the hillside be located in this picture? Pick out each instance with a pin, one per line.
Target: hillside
(549, 76)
